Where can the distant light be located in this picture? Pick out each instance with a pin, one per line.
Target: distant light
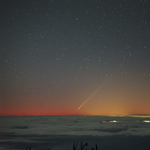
(104, 121)
(112, 121)
(147, 121)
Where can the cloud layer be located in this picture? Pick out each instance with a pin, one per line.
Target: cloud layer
(59, 132)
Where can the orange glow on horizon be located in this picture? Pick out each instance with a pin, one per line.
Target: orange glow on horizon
(106, 106)
(40, 114)
(61, 113)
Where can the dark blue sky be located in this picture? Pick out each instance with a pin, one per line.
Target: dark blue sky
(55, 54)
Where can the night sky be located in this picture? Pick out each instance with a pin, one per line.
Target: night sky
(59, 54)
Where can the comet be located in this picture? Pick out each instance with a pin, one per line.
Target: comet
(89, 98)
(93, 94)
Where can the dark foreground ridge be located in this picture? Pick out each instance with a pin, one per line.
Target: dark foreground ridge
(66, 142)
(77, 145)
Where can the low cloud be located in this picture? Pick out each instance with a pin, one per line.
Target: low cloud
(19, 127)
(59, 132)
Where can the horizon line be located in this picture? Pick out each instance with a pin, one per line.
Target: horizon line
(111, 115)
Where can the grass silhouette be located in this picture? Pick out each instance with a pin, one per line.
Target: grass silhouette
(81, 145)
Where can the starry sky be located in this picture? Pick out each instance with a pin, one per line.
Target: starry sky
(58, 55)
